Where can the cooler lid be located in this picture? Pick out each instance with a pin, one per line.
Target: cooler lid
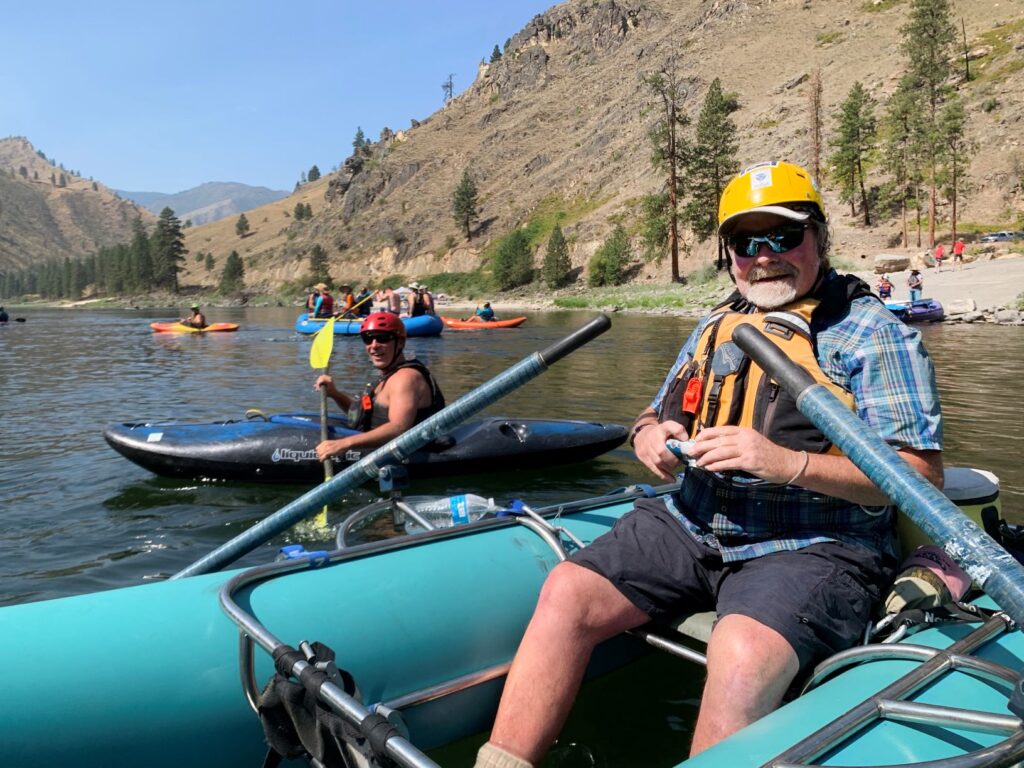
(964, 485)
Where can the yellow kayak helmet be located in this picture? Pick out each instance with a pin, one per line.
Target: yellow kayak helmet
(770, 187)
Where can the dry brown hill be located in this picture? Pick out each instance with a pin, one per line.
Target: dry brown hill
(561, 121)
(40, 219)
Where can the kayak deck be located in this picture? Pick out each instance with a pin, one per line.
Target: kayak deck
(181, 328)
(469, 324)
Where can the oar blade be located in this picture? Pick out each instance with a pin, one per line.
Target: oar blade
(323, 343)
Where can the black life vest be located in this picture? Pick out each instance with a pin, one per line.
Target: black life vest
(365, 414)
(721, 386)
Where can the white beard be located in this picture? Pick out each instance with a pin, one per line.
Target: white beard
(772, 294)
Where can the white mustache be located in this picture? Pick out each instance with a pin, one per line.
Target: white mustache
(766, 273)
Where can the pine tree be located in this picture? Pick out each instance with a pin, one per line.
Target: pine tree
(495, 54)
(359, 141)
(928, 40)
(512, 263)
(654, 225)
(671, 150)
(209, 263)
(141, 257)
(23, 171)
(712, 162)
(815, 109)
(901, 150)
(464, 204)
(955, 155)
(556, 266)
(168, 249)
(242, 226)
(233, 275)
(314, 173)
(318, 265)
(853, 143)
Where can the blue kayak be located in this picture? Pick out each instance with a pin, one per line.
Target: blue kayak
(920, 311)
(280, 448)
(427, 625)
(423, 325)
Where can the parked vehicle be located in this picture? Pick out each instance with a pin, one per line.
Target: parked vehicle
(1001, 237)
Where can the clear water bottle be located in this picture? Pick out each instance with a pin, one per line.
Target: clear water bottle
(448, 511)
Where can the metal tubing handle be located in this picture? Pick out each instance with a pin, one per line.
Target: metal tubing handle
(395, 451)
(987, 563)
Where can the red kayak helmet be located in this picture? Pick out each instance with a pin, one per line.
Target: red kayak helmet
(384, 322)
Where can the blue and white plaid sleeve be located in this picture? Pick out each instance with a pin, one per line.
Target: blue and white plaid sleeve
(893, 381)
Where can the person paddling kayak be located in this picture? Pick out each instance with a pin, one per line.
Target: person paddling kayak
(196, 320)
(405, 394)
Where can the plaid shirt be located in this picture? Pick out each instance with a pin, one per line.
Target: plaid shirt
(884, 364)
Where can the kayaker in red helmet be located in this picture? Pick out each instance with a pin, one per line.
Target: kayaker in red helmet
(404, 394)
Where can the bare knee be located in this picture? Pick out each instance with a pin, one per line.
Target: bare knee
(586, 603)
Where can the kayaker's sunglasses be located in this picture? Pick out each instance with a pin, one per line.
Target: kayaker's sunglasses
(381, 338)
(779, 240)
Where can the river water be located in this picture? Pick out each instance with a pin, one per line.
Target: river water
(76, 517)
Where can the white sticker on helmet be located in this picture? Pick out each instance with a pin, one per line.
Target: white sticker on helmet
(761, 178)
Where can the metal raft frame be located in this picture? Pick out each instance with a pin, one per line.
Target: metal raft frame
(891, 702)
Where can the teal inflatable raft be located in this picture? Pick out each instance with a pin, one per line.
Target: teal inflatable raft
(426, 625)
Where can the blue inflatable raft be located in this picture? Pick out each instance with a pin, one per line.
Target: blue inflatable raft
(423, 325)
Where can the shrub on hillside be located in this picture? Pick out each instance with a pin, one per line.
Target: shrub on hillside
(606, 266)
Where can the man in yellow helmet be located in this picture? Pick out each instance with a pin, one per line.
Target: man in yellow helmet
(772, 527)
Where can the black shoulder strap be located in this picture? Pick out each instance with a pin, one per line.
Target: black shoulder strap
(835, 295)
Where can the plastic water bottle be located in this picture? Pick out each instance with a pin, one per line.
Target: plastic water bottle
(448, 511)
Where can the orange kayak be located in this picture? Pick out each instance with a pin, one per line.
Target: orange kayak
(481, 325)
(177, 327)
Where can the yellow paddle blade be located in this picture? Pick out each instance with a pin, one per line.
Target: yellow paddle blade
(323, 343)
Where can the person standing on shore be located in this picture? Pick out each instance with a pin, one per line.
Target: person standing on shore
(958, 254)
(916, 285)
(940, 254)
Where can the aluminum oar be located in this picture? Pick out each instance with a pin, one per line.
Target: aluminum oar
(398, 450)
(992, 567)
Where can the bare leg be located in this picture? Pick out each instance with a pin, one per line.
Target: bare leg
(577, 610)
(750, 666)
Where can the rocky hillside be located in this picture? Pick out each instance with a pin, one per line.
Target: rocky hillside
(560, 123)
(43, 218)
(208, 202)
(558, 127)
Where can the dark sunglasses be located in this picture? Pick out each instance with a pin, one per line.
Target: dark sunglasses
(380, 338)
(778, 240)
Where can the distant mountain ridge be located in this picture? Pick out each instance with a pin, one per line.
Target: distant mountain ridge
(50, 212)
(208, 202)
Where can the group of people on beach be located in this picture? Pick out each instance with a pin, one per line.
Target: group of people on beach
(772, 527)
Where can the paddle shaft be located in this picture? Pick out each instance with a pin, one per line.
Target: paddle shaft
(987, 563)
(328, 463)
(396, 451)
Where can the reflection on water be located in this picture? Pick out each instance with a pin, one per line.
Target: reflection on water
(76, 517)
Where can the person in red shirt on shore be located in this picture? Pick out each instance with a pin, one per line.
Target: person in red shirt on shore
(940, 254)
(958, 253)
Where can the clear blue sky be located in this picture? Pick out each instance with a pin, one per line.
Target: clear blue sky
(160, 97)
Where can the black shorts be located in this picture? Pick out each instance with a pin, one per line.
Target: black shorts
(819, 598)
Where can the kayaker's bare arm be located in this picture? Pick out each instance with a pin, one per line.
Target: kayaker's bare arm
(403, 395)
(343, 400)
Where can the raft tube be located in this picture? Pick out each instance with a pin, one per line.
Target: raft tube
(423, 325)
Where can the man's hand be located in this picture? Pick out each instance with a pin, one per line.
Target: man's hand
(327, 383)
(329, 448)
(741, 449)
(649, 447)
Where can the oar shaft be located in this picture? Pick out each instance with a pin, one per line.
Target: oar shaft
(991, 566)
(397, 450)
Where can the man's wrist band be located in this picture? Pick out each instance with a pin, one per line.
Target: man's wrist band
(803, 468)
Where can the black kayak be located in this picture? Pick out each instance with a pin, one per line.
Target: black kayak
(281, 448)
